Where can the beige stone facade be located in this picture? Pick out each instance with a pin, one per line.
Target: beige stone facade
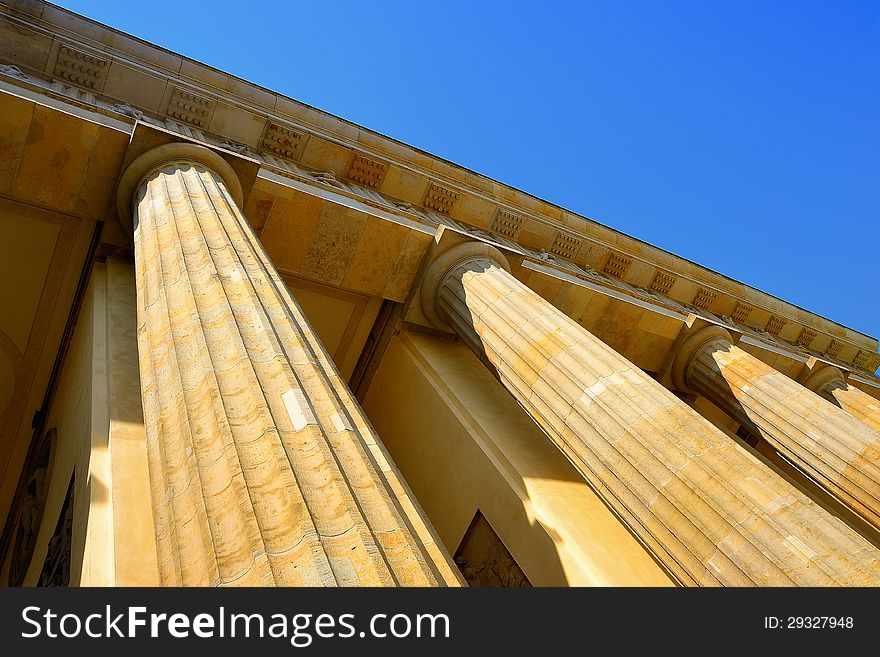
(244, 342)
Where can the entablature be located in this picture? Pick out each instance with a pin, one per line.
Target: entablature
(61, 55)
(643, 325)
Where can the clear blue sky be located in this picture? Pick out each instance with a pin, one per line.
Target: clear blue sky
(742, 135)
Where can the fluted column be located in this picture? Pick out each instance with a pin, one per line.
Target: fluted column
(264, 470)
(709, 511)
(830, 446)
(828, 382)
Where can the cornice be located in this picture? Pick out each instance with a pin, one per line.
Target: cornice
(361, 159)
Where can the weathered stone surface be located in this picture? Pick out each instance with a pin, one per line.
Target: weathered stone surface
(829, 383)
(337, 206)
(832, 447)
(264, 471)
(708, 509)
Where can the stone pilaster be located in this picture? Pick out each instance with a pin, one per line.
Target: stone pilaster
(829, 383)
(708, 510)
(264, 470)
(830, 446)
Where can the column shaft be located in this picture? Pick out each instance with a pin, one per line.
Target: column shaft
(860, 405)
(830, 446)
(264, 470)
(709, 511)
(828, 382)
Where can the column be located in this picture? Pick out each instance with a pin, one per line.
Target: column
(828, 382)
(831, 447)
(710, 512)
(263, 469)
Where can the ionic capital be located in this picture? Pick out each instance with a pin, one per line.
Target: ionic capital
(690, 349)
(823, 376)
(444, 265)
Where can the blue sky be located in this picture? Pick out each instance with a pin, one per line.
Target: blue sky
(742, 135)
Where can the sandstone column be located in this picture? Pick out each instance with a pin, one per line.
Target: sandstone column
(709, 511)
(828, 382)
(830, 446)
(264, 471)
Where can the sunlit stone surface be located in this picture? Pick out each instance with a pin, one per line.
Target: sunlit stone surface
(210, 293)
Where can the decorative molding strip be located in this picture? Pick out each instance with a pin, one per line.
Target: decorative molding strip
(128, 110)
(663, 282)
(80, 94)
(566, 246)
(834, 348)
(806, 337)
(440, 198)
(741, 312)
(328, 178)
(12, 71)
(775, 324)
(190, 108)
(507, 223)
(78, 67)
(368, 172)
(617, 265)
(704, 298)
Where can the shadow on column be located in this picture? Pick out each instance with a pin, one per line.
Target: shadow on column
(754, 439)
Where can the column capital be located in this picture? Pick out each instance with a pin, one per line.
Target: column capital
(147, 163)
(821, 376)
(436, 273)
(690, 348)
